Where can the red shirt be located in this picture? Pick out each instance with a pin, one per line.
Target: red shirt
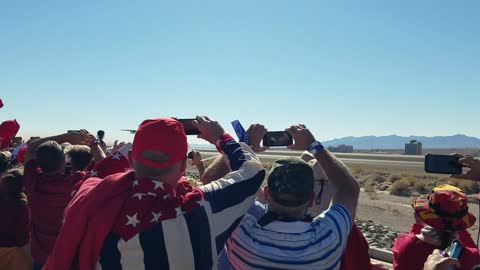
(410, 253)
(14, 224)
(48, 195)
(356, 252)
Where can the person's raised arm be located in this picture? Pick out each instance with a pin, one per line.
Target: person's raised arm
(230, 197)
(346, 186)
(198, 162)
(81, 137)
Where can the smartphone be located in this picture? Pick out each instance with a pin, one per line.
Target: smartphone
(442, 164)
(73, 131)
(188, 126)
(453, 251)
(277, 138)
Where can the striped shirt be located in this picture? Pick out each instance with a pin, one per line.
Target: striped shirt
(291, 245)
(193, 240)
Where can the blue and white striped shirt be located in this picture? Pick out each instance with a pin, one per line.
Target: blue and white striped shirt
(194, 239)
(291, 245)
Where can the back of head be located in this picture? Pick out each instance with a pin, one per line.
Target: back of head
(80, 157)
(290, 182)
(159, 147)
(11, 186)
(101, 134)
(50, 157)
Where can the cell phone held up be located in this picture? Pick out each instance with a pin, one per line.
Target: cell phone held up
(442, 164)
(188, 126)
(277, 138)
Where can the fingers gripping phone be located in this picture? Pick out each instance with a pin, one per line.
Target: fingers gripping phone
(277, 138)
(453, 251)
(188, 126)
(442, 164)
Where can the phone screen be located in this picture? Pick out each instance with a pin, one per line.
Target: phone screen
(277, 138)
(442, 164)
(188, 126)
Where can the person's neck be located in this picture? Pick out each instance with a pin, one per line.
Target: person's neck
(290, 216)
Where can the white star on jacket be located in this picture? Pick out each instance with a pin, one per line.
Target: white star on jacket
(132, 220)
(116, 156)
(135, 183)
(93, 173)
(156, 216)
(158, 184)
(139, 195)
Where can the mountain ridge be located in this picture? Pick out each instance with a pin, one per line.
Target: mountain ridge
(398, 142)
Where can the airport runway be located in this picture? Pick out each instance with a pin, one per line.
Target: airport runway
(411, 163)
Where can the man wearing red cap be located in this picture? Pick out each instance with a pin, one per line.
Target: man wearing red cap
(179, 227)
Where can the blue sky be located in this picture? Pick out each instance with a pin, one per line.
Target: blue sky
(341, 67)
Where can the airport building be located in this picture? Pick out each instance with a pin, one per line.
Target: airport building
(413, 148)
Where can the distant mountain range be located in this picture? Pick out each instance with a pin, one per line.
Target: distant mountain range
(398, 142)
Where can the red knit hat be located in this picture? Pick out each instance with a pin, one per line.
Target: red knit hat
(160, 143)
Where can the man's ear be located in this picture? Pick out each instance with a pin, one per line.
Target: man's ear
(312, 199)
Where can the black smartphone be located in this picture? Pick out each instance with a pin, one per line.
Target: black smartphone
(277, 138)
(442, 164)
(188, 126)
(73, 131)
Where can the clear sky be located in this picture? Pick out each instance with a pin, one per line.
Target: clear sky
(344, 68)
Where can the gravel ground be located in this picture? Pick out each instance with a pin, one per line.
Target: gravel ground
(379, 236)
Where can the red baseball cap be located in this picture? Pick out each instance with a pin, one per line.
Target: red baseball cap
(160, 143)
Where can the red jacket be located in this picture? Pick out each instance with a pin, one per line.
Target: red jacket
(47, 196)
(14, 224)
(356, 255)
(410, 253)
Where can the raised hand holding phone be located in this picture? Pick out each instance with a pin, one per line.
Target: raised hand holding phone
(302, 137)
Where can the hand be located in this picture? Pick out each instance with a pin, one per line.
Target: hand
(470, 162)
(302, 137)
(117, 146)
(255, 134)
(197, 158)
(81, 137)
(437, 262)
(210, 130)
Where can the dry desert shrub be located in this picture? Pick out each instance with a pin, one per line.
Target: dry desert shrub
(400, 188)
(394, 178)
(421, 186)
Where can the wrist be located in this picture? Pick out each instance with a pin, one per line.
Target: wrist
(222, 141)
(93, 143)
(316, 147)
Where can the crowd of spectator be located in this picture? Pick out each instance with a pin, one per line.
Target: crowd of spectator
(66, 202)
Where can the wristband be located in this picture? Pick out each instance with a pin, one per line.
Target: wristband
(316, 147)
(222, 141)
